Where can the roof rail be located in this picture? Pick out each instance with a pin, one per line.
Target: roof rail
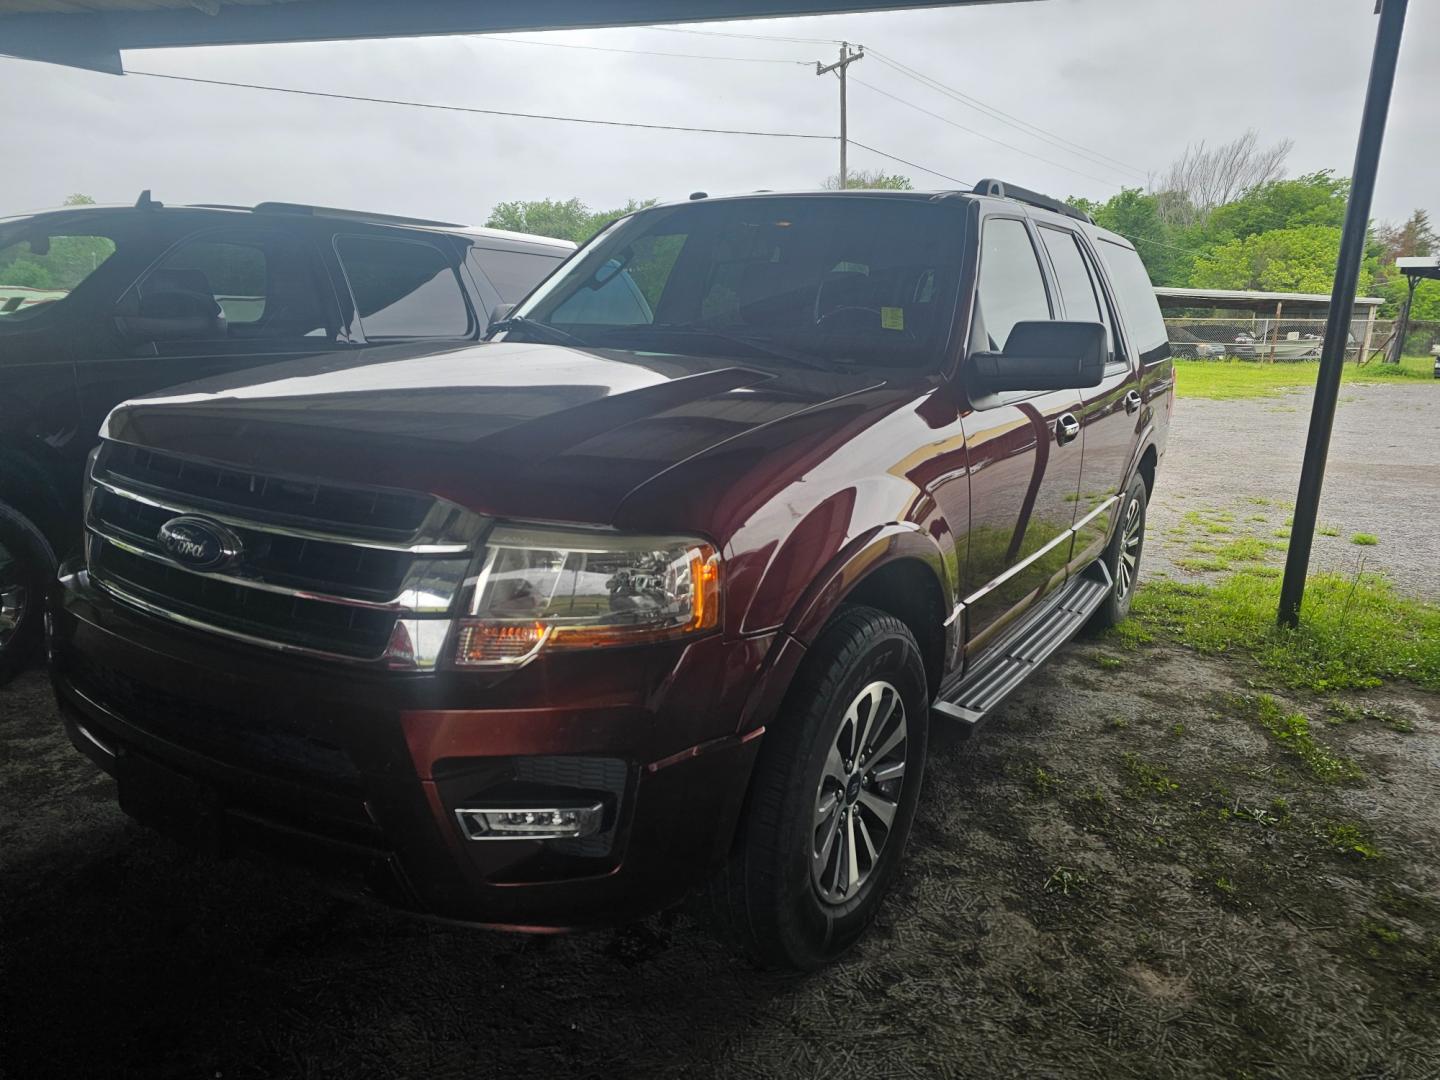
(1001, 190)
(353, 215)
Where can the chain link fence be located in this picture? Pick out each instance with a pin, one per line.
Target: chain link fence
(1259, 337)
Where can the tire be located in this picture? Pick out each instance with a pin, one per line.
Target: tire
(1122, 558)
(774, 900)
(27, 565)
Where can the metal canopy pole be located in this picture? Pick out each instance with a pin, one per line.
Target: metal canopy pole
(1342, 302)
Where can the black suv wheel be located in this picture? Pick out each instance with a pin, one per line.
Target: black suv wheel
(26, 566)
(1122, 557)
(833, 797)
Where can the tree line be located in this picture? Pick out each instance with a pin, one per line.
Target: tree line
(1220, 217)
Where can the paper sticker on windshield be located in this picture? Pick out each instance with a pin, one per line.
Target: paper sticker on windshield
(892, 318)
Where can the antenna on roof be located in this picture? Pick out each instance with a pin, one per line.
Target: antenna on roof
(145, 202)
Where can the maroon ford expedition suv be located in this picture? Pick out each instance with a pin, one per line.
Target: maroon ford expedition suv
(660, 588)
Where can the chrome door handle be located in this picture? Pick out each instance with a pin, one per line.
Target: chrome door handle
(1132, 401)
(1066, 428)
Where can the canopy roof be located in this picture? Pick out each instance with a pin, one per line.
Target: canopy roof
(1250, 299)
(91, 33)
(1420, 266)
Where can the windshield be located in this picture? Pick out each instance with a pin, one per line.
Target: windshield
(42, 268)
(826, 280)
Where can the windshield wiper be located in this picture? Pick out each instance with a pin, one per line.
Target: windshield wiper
(760, 345)
(521, 325)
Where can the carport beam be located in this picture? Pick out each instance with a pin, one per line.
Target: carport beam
(1342, 303)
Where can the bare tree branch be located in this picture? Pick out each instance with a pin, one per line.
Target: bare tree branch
(1203, 178)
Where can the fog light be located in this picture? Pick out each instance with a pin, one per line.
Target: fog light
(530, 822)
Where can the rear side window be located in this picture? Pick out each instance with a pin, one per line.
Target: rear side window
(514, 273)
(1012, 288)
(403, 288)
(1137, 301)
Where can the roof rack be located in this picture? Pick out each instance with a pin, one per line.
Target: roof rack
(1001, 190)
(353, 215)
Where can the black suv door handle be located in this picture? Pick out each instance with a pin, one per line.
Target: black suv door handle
(1132, 401)
(1066, 428)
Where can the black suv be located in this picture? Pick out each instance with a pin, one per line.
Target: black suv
(99, 304)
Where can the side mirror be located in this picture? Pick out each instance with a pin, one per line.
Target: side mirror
(1045, 355)
(500, 314)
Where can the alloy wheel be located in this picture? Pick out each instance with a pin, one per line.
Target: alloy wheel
(1131, 535)
(859, 793)
(12, 611)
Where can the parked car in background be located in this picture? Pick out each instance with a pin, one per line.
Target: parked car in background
(658, 590)
(1186, 346)
(98, 304)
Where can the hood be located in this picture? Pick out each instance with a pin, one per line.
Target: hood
(506, 428)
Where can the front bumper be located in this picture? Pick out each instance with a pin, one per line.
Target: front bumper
(357, 774)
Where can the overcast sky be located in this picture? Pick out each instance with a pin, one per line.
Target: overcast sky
(1131, 81)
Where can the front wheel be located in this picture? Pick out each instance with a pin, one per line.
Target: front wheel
(1122, 557)
(26, 566)
(833, 797)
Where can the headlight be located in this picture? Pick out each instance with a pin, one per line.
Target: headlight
(558, 589)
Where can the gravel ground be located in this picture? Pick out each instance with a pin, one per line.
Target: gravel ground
(1123, 876)
(1383, 478)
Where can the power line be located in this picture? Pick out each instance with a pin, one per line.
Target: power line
(981, 134)
(1095, 157)
(483, 112)
(640, 52)
(745, 37)
(913, 165)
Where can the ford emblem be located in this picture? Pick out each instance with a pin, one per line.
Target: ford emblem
(199, 543)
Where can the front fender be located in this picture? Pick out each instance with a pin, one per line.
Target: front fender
(866, 554)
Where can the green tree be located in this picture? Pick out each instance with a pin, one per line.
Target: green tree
(1314, 199)
(569, 219)
(1281, 260)
(1136, 215)
(869, 178)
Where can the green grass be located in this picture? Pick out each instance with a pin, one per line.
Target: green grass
(1292, 731)
(1224, 380)
(1353, 633)
(1365, 539)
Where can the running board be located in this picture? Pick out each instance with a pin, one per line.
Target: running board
(1061, 618)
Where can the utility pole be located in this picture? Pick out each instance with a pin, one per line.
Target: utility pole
(846, 59)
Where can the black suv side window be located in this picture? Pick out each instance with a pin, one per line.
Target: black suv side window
(403, 288)
(1143, 321)
(1012, 288)
(229, 286)
(232, 273)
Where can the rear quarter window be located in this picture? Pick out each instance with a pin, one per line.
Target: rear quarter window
(1141, 310)
(403, 288)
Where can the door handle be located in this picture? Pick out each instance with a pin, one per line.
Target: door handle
(1066, 428)
(1132, 401)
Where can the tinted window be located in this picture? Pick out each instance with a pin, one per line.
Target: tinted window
(1012, 288)
(514, 273)
(403, 288)
(618, 302)
(1137, 300)
(839, 279)
(42, 269)
(1077, 291)
(234, 274)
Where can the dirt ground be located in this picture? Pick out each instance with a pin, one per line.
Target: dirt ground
(1382, 478)
(1124, 875)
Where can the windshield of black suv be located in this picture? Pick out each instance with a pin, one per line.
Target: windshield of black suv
(819, 280)
(38, 267)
